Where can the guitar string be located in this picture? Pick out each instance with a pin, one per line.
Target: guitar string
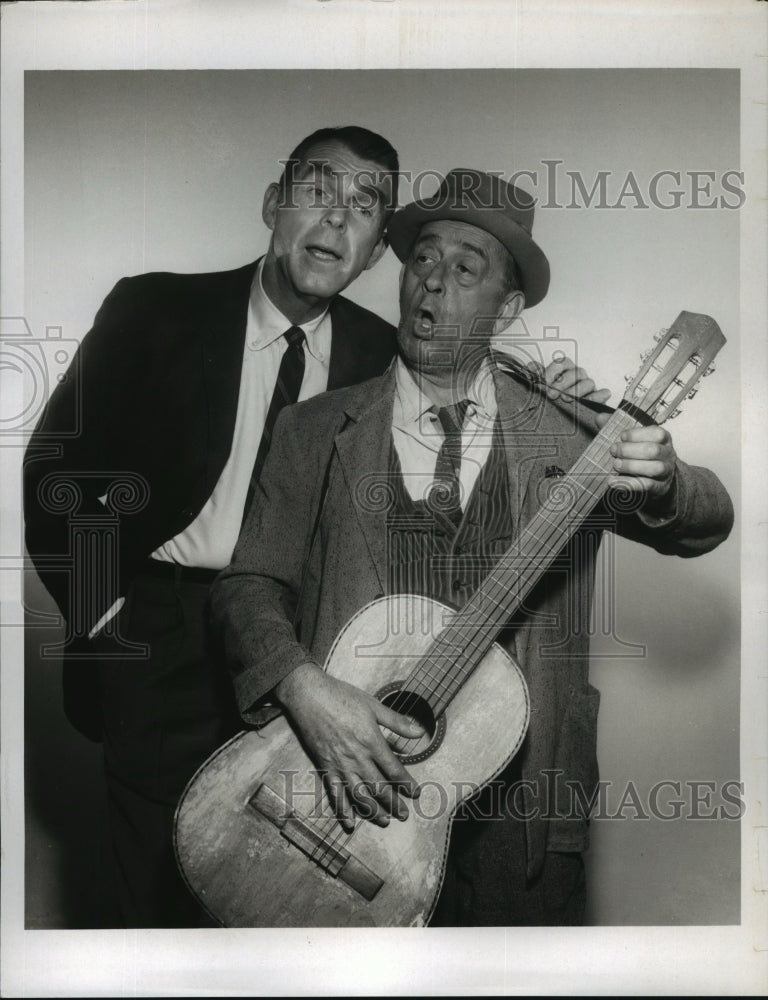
(496, 591)
(435, 676)
(585, 501)
(464, 640)
(430, 675)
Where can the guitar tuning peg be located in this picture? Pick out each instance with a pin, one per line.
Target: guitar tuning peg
(628, 378)
(708, 371)
(692, 393)
(673, 414)
(644, 356)
(657, 336)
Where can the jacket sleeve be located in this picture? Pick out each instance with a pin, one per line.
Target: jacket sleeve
(696, 520)
(254, 600)
(66, 460)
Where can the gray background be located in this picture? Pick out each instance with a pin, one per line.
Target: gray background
(127, 172)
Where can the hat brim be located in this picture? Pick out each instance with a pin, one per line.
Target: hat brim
(405, 226)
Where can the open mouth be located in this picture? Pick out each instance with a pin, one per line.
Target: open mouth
(423, 321)
(326, 254)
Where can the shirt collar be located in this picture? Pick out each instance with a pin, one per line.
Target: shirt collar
(411, 403)
(269, 323)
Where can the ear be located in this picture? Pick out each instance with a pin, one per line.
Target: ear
(510, 309)
(377, 254)
(269, 205)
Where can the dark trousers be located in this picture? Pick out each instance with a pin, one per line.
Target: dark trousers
(485, 881)
(161, 717)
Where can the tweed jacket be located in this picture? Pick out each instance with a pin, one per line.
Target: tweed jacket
(313, 552)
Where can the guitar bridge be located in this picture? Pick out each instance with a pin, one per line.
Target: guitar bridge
(334, 859)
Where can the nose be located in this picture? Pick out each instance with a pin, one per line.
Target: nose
(434, 280)
(336, 216)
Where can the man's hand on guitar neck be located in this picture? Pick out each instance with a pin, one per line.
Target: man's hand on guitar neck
(340, 727)
(563, 378)
(645, 461)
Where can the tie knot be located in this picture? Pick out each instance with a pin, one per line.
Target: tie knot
(451, 417)
(294, 335)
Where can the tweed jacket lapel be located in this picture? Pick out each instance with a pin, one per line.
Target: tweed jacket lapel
(533, 437)
(539, 435)
(521, 415)
(363, 446)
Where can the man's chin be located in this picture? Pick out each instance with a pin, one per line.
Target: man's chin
(322, 286)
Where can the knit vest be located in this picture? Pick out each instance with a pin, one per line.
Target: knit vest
(429, 554)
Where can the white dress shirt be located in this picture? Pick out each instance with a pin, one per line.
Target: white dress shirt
(418, 434)
(210, 539)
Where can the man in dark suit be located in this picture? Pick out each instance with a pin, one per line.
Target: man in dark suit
(175, 389)
(418, 482)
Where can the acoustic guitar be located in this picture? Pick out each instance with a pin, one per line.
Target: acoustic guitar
(255, 837)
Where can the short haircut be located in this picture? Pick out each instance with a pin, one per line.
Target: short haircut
(361, 142)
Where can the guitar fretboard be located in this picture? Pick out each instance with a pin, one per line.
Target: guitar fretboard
(463, 643)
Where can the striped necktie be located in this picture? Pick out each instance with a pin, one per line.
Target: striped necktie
(445, 494)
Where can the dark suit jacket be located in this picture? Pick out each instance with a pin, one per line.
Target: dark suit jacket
(145, 418)
(282, 604)
(154, 389)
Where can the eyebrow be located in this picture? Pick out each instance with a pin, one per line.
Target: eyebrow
(471, 247)
(321, 166)
(474, 248)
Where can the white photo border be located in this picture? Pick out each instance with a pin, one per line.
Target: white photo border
(140, 34)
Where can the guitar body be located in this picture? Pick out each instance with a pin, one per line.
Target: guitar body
(255, 838)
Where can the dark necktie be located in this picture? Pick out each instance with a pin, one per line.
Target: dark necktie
(287, 388)
(445, 495)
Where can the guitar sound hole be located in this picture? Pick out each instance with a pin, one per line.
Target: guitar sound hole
(417, 708)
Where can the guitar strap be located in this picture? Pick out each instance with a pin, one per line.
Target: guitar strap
(533, 379)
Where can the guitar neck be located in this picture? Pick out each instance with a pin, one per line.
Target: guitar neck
(466, 639)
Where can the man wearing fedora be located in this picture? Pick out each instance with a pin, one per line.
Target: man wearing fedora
(177, 386)
(460, 446)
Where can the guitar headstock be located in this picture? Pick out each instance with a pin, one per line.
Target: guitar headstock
(682, 355)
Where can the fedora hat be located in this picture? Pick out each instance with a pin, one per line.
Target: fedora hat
(485, 201)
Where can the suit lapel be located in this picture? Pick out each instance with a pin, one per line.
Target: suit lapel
(363, 447)
(224, 320)
(342, 366)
